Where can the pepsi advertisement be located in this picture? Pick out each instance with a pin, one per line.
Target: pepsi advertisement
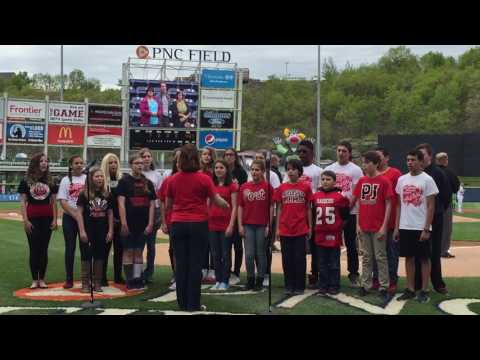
(212, 119)
(219, 79)
(216, 139)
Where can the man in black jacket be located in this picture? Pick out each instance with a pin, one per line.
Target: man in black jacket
(441, 204)
(454, 183)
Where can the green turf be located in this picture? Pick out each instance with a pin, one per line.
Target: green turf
(9, 206)
(470, 180)
(466, 231)
(15, 275)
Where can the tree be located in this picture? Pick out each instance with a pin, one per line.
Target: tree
(76, 79)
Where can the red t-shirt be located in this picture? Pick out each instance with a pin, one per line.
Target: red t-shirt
(218, 218)
(253, 199)
(328, 220)
(189, 193)
(372, 194)
(162, 195)
(392, 174)
(294, 199)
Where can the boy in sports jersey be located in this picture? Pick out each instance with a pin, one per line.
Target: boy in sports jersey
(373, 193)
(415, 210)
(331, 209)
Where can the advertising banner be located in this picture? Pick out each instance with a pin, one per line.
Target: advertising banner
(161, 139)
(104, 115)
(25, 133)
(216, 139)
(216, 119)
(26, 110)
(65, 135)
(217, 99)
(67, 113)
(105, 137)
(220, 79)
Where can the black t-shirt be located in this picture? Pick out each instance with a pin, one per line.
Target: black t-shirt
(137, 200)
(39, 196)
(95, 212)
(114, 192)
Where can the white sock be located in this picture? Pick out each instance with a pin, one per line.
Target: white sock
(137, 270)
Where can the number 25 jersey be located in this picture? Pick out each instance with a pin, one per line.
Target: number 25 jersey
(328, 220)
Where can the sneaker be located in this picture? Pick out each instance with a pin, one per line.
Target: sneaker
(234, 279)
(392, 289)
(266, 281)
(312, 286)
(375, 284)
(354, 279)
(203, 308)
(448, 255)
(173, 286)
(34, 285)
(140, 285)
(204, 273)
(385, 295)
(68, 284)
(288, 292)
(211, 275)
(407, 295)
(222, 287)
(172, 280)
(442, 290)
(423, 297)
(333, 291)
(362, 291)
(275, 249)
(299, 292)
(42, 285)
(215, 287)
(148, 280)
(322, 292)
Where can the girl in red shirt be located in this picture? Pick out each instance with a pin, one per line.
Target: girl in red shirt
(255, 201)
(187, 195)
(39, 212)
(207, 158)
(221, 223)
(294, 226)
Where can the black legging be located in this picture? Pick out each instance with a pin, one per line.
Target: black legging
(117, 254)
(38, 242)
(97, 238)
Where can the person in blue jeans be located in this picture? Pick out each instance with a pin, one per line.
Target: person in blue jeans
(68, 193)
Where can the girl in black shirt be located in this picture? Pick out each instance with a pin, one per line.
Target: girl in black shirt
(95, 224)
(39, 212)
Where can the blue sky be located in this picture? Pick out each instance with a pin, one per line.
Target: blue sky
(105, 62)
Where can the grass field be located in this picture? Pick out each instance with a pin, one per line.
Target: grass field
(15, 275)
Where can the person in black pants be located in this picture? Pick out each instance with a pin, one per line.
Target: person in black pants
(111, 168)
(95, 224)
(39, 212)
(68, 192)
(441, 204)
(240, 175)
(187, 194)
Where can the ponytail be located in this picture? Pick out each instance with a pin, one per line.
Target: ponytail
(70, 162)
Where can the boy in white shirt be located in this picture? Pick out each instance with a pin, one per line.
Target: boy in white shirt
(416, 203)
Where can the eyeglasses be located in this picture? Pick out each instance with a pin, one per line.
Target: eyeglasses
(138, 163)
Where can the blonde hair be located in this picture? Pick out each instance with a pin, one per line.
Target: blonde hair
(442, 156)
(106, 170)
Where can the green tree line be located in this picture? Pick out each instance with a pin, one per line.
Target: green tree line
(401, 93)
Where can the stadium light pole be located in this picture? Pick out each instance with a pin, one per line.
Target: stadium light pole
(319, 72)
(61, 72)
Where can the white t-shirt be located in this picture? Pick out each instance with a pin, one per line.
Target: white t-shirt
(71, 190)
(413, 191)
(347, 177)
(274, 180)
(156, 178)
(460, 192)
(312, 174)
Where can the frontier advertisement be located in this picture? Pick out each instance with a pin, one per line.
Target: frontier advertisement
(65, 135)
(67, 113)
(25, 133)
(104, 137)
(217, 99)
(26, 110)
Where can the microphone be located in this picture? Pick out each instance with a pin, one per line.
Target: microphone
(89, 166)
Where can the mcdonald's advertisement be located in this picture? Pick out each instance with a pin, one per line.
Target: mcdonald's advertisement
(65, 135)
(19, 133)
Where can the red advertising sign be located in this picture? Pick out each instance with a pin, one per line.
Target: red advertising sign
(65, 135)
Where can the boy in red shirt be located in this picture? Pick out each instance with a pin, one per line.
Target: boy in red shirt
(255, 201)
(331, 209)
(294, 226)
(374, 194)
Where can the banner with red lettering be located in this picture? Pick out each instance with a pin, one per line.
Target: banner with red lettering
(104, 136)
(65, 135)
(26, 110)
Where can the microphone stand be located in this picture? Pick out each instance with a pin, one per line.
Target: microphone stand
(270, 242)
(92, 304)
